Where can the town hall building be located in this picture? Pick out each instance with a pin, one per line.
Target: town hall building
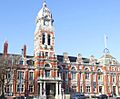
(47, 75)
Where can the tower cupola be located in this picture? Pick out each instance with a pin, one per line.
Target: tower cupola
(44, 12)
(44, 18)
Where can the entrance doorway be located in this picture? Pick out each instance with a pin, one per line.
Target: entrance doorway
(100, 89)
(114, 90)
(50, 90)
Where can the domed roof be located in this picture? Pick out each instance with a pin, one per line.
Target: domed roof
(107, 59)
(44, 12)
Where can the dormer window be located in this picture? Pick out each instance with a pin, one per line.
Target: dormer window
(21, 62)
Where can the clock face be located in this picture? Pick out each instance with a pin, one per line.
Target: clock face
(46, 23)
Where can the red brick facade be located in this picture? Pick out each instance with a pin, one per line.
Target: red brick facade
(46, 74)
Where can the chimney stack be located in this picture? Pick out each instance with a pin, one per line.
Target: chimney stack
(24, 51)
(5, 50)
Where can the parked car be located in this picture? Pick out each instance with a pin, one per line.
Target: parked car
(103, 96)
(3, 97)
(118, 97)
(19, 97)
(77, 95)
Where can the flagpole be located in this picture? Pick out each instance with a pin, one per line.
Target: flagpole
(106, 50)
(105, 41)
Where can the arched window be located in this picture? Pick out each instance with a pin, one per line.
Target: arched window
(73, 72)
(21, 62)
(49, 40)
(43, 38)
(113, 78)
(99, 74)
(47, 71)
(87, 73)
(47, 65)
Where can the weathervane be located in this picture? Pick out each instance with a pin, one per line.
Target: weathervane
(106, 50)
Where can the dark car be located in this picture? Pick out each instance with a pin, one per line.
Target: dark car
(77, 95)
(103, 96)
(19, 97)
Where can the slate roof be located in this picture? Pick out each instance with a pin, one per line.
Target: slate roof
(71, 58)
(59, 57)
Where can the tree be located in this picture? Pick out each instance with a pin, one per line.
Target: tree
(7, 63)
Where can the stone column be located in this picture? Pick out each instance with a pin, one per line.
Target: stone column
(12, 89)
(40, 89)
(103, 89)
(60, 95)
(44, 89)
(44, 74)
(56, 96)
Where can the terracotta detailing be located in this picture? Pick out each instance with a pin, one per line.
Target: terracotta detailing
(105, 84)
(96, 83)
(35, 80)
(78, 84)
(84, 87)
(91, 80)
(111, 83)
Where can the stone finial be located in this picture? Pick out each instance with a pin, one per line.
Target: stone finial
(65, 54)
(66, 59)
(92, 60)
(79, 58)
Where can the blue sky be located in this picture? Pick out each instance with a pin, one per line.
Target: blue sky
(80, 25)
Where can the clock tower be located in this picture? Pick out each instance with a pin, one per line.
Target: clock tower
(44, 33)
(46, 72)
